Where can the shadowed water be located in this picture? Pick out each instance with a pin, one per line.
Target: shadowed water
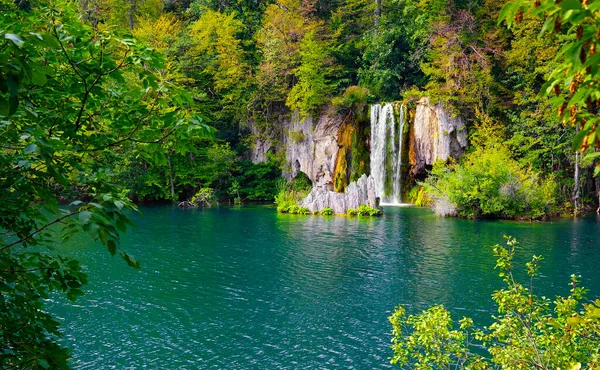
(248, 288)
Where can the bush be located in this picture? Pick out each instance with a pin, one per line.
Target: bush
(258, 181)
(204, 197)
(351, 212)
(365, 210)
(488, 183)
(303, 211)
(419, 197)
(354, 96)
(527, 333)
(296, 136)
(294, 209)
(327, 211)
(289, 194)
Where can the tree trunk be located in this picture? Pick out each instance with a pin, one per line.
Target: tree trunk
(131, 13)
(576, 188)
(598, 192)
(171, 177)
(377, 14)
(597, 181)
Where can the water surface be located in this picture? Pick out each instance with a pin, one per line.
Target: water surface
(245, 288)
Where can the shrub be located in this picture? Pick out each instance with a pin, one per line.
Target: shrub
(353, 96)
(205, 197)
(351, 212)
(284, 207)
(289, 194)
(296, 136)
(527, 332)
(488, 183)
(258, 181)
(365, 210)
(303, 211)
(419, 197)
(327, 211)
(294, 209)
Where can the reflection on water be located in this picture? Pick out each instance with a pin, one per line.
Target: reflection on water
(248, 288)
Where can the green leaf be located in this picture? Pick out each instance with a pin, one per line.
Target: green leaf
(578, 139)
(38, 77)
(592, 156)
(121, 226)
(132, 262)
(13, 104)
(15, 39)
(50, 41)
(507, 13)
(570, 4)
(112, 247)
(30, 148)
(84, 217)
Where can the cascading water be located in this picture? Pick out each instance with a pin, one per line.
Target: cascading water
(386, 152)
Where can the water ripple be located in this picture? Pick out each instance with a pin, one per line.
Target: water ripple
(247, 288)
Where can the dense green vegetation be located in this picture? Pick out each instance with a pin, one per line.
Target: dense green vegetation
(104, 103)
(73, 99)
(528, 332)
(488, 183)
(245, 64)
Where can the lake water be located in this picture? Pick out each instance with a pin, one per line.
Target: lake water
(247, 288)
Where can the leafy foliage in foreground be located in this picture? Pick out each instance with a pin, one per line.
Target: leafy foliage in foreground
(488, 183)
(573, 84)
(527, 333)
(72, 99)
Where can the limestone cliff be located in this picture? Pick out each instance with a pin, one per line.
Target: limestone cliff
(434, 135)
(356, 194)
(331, 151)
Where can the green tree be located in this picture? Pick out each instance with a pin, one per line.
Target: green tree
(71, 98)
(220, 55)
(573, 83)
(313, 86)
(283, 28)
(123, 14)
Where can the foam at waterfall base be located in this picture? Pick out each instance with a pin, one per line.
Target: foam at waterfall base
(396, 204)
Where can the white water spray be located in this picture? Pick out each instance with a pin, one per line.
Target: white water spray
(386, 152)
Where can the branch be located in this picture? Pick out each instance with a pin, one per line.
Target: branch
(33, 233)
(75, 69)
(130, 135)
(158, 141)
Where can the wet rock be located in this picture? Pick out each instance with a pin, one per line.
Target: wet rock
(312, 147)
(435, 135)
(357, 193)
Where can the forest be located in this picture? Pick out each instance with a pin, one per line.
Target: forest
(109, 104)
(246, 62)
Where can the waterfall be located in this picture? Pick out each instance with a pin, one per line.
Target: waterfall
(386, 152)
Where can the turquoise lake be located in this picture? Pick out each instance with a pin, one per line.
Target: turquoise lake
(247, 288)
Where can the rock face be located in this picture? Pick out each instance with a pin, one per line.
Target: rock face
(435, 135)
(312, 147)
(357, 193)
(261, 145)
